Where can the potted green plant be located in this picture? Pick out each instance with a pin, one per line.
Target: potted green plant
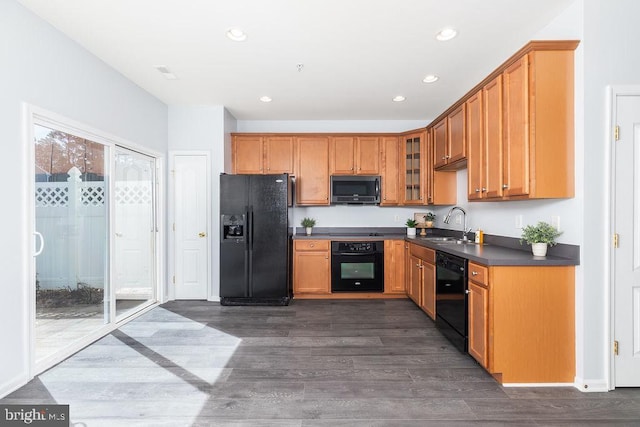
(429, 218)
(411, 226)
(540, 236)
(308, 224)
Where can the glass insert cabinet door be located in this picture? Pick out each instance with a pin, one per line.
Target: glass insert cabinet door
(413, 153)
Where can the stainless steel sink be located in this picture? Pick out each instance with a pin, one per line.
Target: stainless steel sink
(447, 240)
(440, 239)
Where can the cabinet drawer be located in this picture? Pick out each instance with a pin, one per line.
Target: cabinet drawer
(478, 273)
(312, 245)
(425, 254)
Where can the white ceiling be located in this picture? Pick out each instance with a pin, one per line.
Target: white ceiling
(357, 54)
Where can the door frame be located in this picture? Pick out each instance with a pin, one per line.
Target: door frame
(171, 215)
(31, 115)
(613, 92)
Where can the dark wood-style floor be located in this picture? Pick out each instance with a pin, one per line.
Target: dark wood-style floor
(314, 363)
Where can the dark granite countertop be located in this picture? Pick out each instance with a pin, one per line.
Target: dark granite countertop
(497, 250)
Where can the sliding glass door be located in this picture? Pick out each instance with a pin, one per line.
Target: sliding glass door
(71, 216)
(134, 241)
(96, 253)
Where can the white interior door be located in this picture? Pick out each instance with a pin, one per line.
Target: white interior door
(192, 241)
(626, 259)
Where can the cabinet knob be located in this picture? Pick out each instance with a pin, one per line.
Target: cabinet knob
(312, 245)
(477, 190)
(444, 157)
(447, 157)
(467, 291)
(474, 273)
(484, 190)
(505, 186)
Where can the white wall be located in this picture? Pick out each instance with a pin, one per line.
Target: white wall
(611, 57)
(206, 128)
(42, 67)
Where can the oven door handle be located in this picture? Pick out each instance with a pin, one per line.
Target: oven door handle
(353, 254)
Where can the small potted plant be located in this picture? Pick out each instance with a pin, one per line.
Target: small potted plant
(308, 224)
(428, 219)
(540, 236)
(411, 226)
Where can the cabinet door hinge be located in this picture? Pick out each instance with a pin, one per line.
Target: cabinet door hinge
(174, 280)
(615, 348)
(173, 226)
(616, 241)
(616, 133)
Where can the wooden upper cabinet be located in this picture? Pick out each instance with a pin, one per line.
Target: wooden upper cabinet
(278, 152)
(247, 154)
(475, 148)
(355, 155)
(389, 160)
(367, 155)
(312, 172)
(456, 134)
(342, 159)
(515, 85)
(492, 162)
(528, 127)
(439, 141)
(449, 144)
(262, 154)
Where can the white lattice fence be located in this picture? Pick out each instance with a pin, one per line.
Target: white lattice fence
(71, 216)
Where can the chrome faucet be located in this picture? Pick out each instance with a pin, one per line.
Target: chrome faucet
(465, 230)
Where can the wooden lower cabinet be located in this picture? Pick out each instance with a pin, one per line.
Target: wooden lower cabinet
(422, 283)
(415, 283)
(429, 289)
(478, 313)
(521, 322)
(311, 267)
(394, 267)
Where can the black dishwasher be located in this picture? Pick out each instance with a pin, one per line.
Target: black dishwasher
(451, 298)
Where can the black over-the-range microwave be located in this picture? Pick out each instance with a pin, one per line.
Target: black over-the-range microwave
(358, 189)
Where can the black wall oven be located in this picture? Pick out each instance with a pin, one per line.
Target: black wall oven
(357, 266)
(451, 298)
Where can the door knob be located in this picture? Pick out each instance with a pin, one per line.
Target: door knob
(202, 234)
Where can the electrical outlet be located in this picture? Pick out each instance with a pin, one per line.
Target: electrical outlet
(555, 222)
(458, 219)
(396, 218)
(519, 221)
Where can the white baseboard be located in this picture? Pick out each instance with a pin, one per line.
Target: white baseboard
(538, 385)
(12, 385)
(591, 385)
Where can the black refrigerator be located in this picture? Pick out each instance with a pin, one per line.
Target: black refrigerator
(254, 239)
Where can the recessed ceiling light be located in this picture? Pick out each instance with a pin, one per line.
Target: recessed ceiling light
(236, 34)
(430, 78)
(398, 98)
(265, 99)
(446, 34)
(166, 73)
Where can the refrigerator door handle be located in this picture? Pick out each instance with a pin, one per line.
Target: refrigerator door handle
(250, 220)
